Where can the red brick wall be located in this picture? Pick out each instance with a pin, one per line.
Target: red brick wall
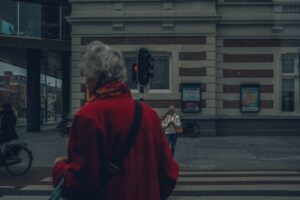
(247, 73)
(261, 43)
(233, 104)
(147, 40)
(236, 88)
(192, 71)
(167, 103)
(247, 58)
(192, 55)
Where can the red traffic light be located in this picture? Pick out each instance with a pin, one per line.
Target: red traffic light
(136, 67)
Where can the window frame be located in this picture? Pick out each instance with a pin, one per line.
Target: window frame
(290, 76)
(149, 90)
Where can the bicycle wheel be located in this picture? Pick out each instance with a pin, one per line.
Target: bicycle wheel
(18, 160)
(194, 131)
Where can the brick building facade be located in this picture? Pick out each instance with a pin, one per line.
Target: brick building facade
(221, 44)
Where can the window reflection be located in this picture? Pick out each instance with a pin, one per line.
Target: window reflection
(51, 87)
(13, 82)
(32, 19)
(8, 17)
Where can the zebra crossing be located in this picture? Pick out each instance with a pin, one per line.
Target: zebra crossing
(201, 185)
(238, 185)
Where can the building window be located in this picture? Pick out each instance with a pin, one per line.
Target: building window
(129, 61)
(161, 79)
(34, 19)
(51, 87)
(8, 17)
(287, 65)
(289, 82)
(291, 9)
(13, 81)
(288, 95)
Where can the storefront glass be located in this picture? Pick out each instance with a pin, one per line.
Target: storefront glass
(13, 81)
(39, 20)
(51, 87)
(30, 19)
(8, 17)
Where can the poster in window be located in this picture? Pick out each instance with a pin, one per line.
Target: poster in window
(191, 97)
(250, 98)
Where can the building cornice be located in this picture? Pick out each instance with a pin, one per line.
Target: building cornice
(76, 19)
(260, 22)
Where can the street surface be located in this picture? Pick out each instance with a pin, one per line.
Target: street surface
(222, 168)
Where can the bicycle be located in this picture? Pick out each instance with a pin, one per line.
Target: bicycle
(63, 126)
(16, 158)
(190, 129)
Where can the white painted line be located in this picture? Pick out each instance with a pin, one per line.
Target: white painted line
(238, 172)
(231, 198)
(6, 187)
(38, 187)
(48, 179)
(24, 198)
(237, 187)
(225, 179)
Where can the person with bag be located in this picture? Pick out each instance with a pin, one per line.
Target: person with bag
(172, 127)
(117, 149)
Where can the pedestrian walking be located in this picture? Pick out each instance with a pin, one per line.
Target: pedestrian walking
(172, 127)
(97, 166)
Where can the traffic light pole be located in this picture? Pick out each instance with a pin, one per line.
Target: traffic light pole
(141, 92)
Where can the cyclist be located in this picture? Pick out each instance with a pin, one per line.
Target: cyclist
(8, 124)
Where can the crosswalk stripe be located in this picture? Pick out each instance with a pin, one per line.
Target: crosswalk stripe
(204, 185)
(6, 186)
(38, 187)
(236, 187)
(226, 179)
(238, 172)
(233, 198)
(11, 197)
(48, 179)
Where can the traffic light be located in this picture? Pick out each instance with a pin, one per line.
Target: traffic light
(134, 73)
(151, 67)
(145, 66)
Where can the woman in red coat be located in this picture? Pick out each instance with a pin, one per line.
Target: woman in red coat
(99, 132)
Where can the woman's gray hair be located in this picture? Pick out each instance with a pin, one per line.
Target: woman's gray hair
(102, 64)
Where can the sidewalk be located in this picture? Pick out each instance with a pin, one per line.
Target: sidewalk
(204, 153)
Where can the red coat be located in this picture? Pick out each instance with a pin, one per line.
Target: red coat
(98, 133)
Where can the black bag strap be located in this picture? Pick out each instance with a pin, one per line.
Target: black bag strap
(113, 167)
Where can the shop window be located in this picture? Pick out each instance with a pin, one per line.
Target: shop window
(8, 17)
(13, 81)
(51, 87)
(39, 20)
(66, 27)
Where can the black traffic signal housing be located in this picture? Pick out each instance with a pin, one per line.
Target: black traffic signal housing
(134, 73)
(145, 66)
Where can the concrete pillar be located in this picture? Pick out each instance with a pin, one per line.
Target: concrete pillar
(33, 90)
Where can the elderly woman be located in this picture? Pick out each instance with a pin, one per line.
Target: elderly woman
(99, 132)
(170, 122)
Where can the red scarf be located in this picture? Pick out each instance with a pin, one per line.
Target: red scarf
(110, 90)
